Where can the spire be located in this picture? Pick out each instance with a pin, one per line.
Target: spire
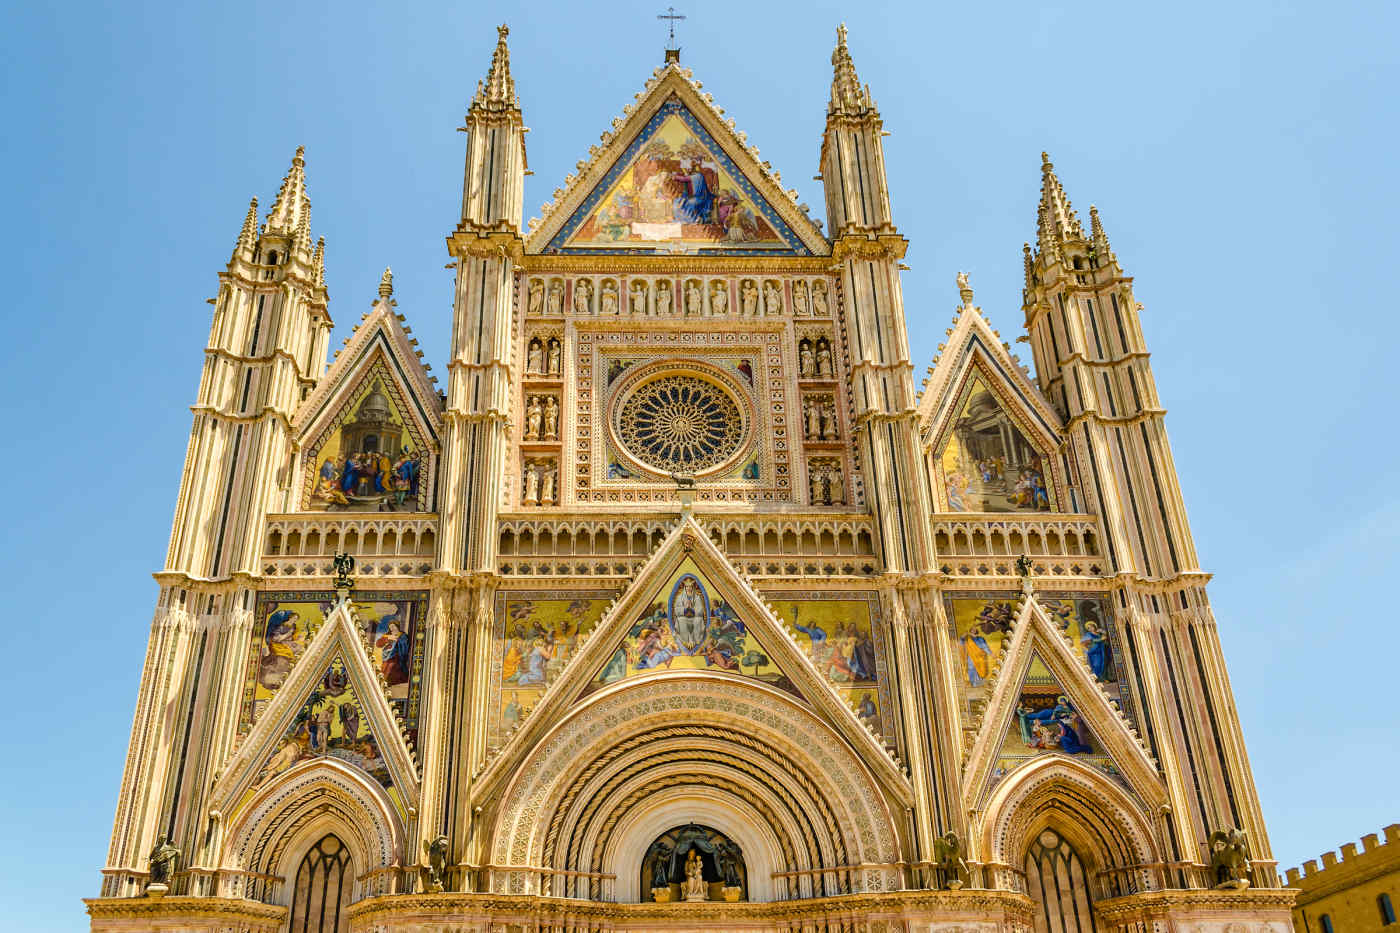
(318, 262)
(292, 205)
(249, 234)
(847, 95)
(1057, 221)
(497, 92)
(1096, 234)
(386, 284)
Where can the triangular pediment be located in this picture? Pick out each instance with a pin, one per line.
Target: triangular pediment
(333, 704)
(675, 177)
(993, 442)
(688, 608)
(1046, 698)
(369, 433)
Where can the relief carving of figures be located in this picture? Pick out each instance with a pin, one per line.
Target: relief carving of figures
(825, 483)
(555, 304)
(819, 307)
(532, 485)
(799, 298)
(608, 299)
(637, 300)
(694, 299)
(772, 299)
(551, 419)
(583, 297)
(748, 297)
(534, 415)
(536, 303)
(663, 299)
(806, 359)
(719, 299)
(547, 484)
(555, 358)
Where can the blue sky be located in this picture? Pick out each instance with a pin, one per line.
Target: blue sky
(1242, 157)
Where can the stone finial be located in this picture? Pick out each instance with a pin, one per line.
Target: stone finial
(964, 290)
(497, 92)
(847, 95)
(318, 261)
(292, 203)
(249, 234)
(386, 284)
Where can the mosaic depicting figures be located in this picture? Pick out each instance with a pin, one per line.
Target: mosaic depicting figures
(689, 626)
(675, 185)
(332, 723)
(535, 638)
(846, 646)
(988, 464)
(1047, 721)
(982, 626)
(285, 624)
(370, 462)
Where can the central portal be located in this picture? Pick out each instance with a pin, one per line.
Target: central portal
(694, 863)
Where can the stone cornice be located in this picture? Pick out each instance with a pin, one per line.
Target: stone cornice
(676, 264)
(153, 908)
(1150, 904)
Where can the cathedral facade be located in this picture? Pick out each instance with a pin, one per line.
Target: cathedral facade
(678, 606)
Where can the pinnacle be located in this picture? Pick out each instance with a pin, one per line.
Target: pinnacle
(497, 92)
(1096, 233)
(249, 234)
(386, 283)
(1056, 221)
(318, 261)
(292, 209)
(847, 95)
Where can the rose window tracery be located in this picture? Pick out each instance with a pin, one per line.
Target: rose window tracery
(680, 423)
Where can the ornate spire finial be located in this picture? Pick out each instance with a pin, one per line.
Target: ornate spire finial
(386, 284)
(964, 290)
(1028, 261)
(249, 234)
(847, 96)
(318, 261)
(292, 203)
(497, 92)
(1056, 220)
(1097, 235)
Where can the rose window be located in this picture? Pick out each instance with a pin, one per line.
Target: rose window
(680, 423)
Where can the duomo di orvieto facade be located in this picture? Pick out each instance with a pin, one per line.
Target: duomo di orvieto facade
(677, 606)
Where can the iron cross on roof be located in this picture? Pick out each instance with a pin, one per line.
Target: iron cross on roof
(673, 53)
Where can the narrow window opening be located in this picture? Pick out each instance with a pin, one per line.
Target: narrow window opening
(322, 892)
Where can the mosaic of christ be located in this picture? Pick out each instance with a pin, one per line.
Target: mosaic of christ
(675, 189)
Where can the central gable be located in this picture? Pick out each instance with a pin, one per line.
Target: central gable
(674, 189)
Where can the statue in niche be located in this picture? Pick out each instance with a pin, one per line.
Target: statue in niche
(608, 299)
(814, 427)
(695, 887)
(536, 303)
(835, 487)
(719, 300)
(663, 299)
(551, 419)
(532, 484)
(555, 303)
(534, 414)
(583, 295)
(823, 358)
(694, 300)
(728, 858)
(637, 302)
(748, 297)
(799, 298)
(828, 421)
(554, 357)
(819, 307)
(660, 853)
(806, 359)
(772, 299)
(535, 359)
(547, 484)
(814, 486)
(164, 859)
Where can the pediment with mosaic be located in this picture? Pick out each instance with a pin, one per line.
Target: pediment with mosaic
(674, 188)
(989, 460)
(373, 456)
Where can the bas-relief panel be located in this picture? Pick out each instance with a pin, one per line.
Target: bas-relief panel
(988, 464)
(332, 722)
(1045, 720)
(536, 635)
(846, 642)
(285, 623)
(674, 188)
(373, 459)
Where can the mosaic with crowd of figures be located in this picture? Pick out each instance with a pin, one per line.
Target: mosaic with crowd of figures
(373, 458)
(988, 464)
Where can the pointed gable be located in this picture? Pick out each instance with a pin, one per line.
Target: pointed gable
(674, 177)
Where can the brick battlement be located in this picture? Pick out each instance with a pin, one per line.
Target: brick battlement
(1347, 869)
